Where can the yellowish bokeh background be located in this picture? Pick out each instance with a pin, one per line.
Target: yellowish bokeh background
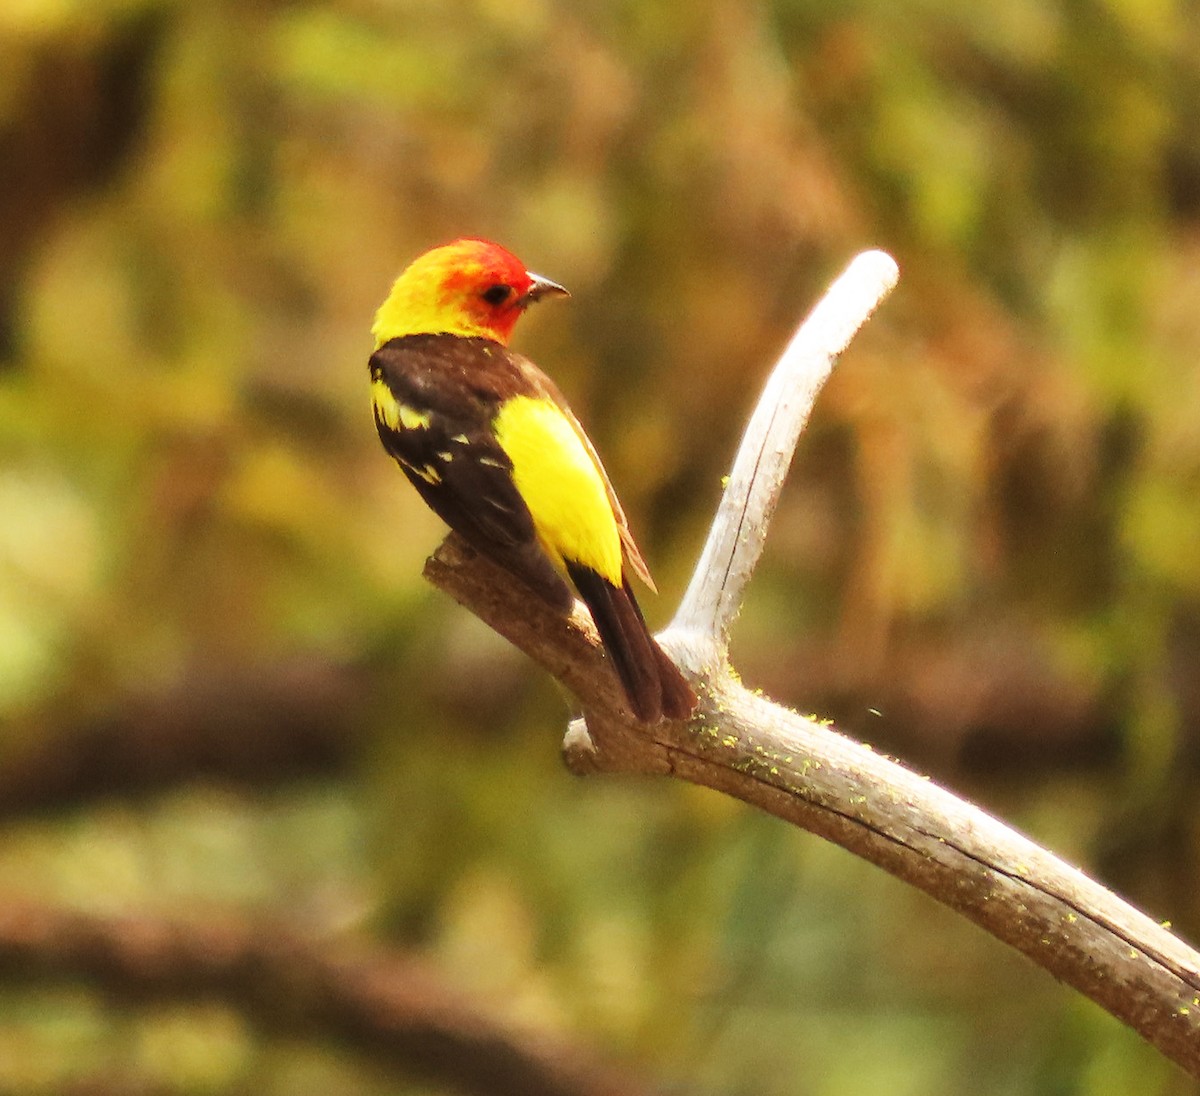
(225, 690)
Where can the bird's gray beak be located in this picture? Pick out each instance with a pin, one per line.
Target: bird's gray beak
(542, 287)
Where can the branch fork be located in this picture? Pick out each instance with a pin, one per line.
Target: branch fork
(807, 773)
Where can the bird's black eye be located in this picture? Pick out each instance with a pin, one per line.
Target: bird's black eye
(497, 294)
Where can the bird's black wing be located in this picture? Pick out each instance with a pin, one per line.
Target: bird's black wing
(435, 397)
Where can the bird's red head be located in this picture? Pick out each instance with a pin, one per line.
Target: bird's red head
(470, 287)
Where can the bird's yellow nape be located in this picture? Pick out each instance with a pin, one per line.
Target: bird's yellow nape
(470, 288)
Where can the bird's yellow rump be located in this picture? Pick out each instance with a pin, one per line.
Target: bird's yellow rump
(489, 443)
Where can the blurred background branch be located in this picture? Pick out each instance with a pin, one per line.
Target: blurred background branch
(287, 721)
(382, 1005)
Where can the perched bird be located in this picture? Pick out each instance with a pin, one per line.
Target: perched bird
(489, 443)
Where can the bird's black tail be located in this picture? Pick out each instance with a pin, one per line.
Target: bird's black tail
(653, 684)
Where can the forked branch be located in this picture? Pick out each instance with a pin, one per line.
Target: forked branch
(810, 775)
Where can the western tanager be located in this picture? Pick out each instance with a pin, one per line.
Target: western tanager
(491, 446)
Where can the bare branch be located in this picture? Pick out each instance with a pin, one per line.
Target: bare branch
(1083, 934)
(739, 531)
(803, 771)
(807, 773)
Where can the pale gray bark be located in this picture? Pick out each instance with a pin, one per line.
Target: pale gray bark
(806, 772)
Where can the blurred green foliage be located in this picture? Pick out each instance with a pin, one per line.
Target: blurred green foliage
(992, 537)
